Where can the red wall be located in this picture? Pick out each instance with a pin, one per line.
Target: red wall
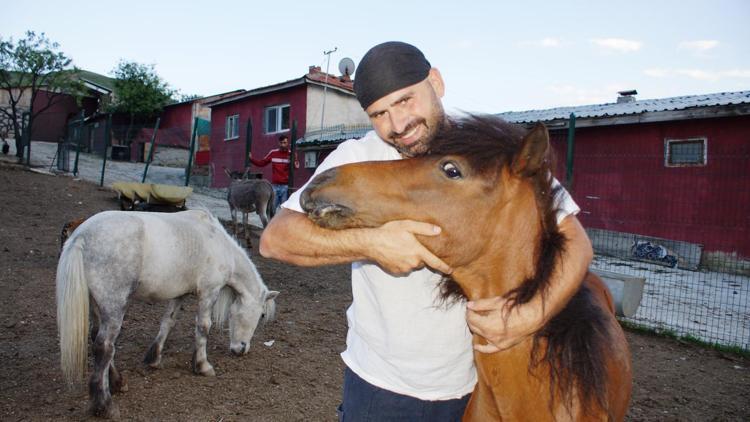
(175, 125)
(231, 154)
(621, 183)
(50, 125)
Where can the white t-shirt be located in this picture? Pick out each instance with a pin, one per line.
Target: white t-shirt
(400, 337)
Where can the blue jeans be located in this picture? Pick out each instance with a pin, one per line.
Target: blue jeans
(282, 194)
(365, 402)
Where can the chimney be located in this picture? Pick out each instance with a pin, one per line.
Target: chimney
(313, 69)
(627, 96)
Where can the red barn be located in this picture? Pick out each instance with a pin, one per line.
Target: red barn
(673, 168)
(313, 101)
(56, 110)
(176, 126)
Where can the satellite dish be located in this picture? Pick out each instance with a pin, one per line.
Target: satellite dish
(346, 66)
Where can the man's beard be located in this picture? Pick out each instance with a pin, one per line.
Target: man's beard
(415, 148)
(421, 145)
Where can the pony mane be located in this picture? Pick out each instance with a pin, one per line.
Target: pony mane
(221, 229)
(227, 295)
(573, 342)
(489, 143)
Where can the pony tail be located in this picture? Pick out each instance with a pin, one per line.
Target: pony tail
(72, 294)
(221, 306)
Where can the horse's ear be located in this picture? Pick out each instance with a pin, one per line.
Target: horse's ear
(271, 294)
(534, 151)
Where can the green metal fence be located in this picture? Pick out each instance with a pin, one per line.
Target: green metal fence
(697, 284)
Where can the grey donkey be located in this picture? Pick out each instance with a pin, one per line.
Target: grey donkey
(249, 195)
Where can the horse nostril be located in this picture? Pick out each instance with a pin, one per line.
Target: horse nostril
(240, 348)
(306, 200)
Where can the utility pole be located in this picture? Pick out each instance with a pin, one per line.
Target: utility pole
(325, 85)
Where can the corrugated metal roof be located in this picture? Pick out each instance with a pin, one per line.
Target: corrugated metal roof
(627, 108)
(333, 135)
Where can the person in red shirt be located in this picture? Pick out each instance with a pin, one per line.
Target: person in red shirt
(279, 159)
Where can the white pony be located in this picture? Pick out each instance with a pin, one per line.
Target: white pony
(118, 254)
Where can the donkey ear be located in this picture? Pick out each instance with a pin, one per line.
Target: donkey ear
(533, 151)
(227, 172)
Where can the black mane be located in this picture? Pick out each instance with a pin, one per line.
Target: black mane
(573, 343)
(489, 143)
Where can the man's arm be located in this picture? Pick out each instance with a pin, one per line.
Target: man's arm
(487, 317)
(262, 162)
(291, 237)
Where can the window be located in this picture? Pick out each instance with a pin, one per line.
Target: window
(311, 159)
(276, 118)
(232, 129)
(685, 152)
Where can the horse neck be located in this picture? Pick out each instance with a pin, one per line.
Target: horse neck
(510, 257)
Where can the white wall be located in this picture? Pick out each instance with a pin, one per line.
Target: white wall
(340, 109)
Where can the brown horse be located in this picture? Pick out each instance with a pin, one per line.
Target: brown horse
(488, 185)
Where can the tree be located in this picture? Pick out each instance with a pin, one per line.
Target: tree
(139, 92)
(34, 76)
(181, 98)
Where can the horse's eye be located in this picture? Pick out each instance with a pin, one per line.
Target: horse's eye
(451, 170)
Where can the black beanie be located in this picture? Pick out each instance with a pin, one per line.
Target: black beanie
(388, 67)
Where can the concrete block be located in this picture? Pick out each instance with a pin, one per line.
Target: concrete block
(627, 291)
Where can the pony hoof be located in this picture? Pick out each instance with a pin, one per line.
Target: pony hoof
(205, 370)
(120, 386)
(107, 411)
(153, 356)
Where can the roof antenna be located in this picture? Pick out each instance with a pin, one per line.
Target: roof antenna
(325, 85)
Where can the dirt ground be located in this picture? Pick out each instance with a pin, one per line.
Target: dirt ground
(296, 378)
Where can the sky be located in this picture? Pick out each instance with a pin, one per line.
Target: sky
(494, 56)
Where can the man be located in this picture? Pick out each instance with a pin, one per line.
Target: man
(279, 158)
(407, 357)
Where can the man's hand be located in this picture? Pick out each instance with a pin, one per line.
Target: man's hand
(292, 237)
(503, 329)
(396, 249)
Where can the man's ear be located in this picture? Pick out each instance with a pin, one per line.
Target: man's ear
(436, 80)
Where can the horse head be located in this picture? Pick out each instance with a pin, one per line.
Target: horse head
(244, 319)
(485, 182)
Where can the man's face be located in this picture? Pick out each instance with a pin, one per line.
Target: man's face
(284, 144)
(410, 117)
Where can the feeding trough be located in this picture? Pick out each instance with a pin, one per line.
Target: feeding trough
(133, 195)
